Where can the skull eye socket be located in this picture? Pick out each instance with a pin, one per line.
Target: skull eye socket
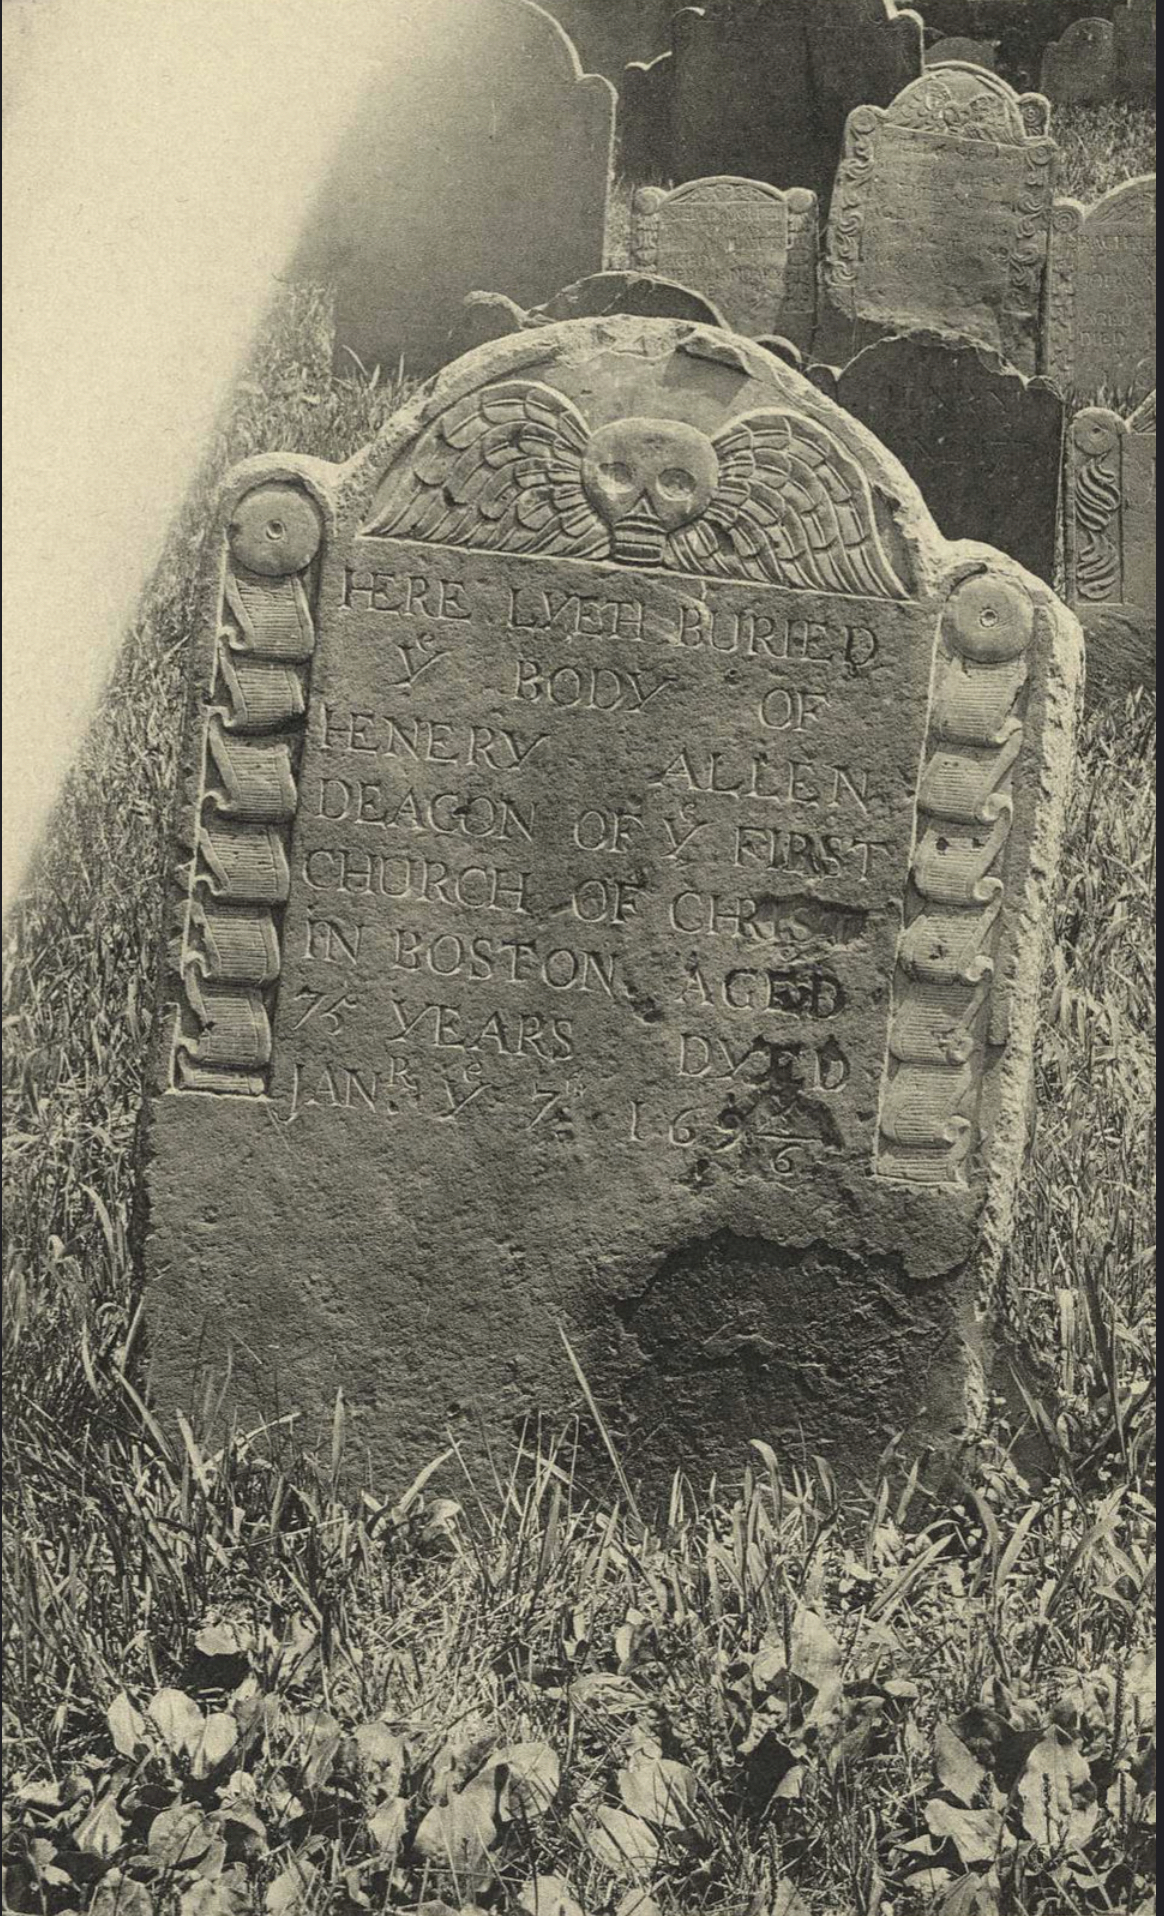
(616, 474)
(676, 483)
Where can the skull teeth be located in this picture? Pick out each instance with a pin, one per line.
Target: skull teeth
(638, 539)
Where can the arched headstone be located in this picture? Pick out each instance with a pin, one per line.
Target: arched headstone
(748, 246)
(1101, 292)
(941, 213)
(480, 157)
(609, 894)
(1079, 69)
(962, 51)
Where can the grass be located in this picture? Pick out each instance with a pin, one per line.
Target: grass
(229, 1688)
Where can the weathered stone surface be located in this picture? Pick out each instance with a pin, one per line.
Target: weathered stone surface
(957, 48)
(1101, 292)
(1110, 544)
(480, 157)
(760, 89)
(562, 932)
(1134, 25)
(609, 34)
(747, 245)
(1079, 69)
(982, 443)
(940, 216)
(648, 295)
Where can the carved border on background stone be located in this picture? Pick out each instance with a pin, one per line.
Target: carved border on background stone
(1067, 218)
(228, 955)
(942, 1019)
(1096, 499)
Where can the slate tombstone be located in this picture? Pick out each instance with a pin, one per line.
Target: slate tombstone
(1079, 69)
(493, 316)
(1134, 25)
(747, 245)
(982, 443)
(563, 931)
(1101, 292)
(609, 34)
(759, 89)
(962, 51)
(1110, 543)
(480, 156)
(940, 216)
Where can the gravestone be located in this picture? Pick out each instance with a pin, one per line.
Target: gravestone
(962, 51)
(1134, 25)
(940, 217)
(562, 933)
(609, 34)
(493, 316)
(1079, 69)
(1110, 544)
(759, 89)
(1101, 292)
(747, 245)
(982, 443)
(480, 156)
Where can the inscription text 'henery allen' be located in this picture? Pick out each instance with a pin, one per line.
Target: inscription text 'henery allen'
(518, 838)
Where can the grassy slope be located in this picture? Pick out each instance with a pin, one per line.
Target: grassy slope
(582, 1630)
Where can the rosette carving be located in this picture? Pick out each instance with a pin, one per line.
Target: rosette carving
(229, 955)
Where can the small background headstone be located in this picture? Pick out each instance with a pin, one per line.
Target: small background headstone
(480, 157)
(493, 316)
(957, 47)
(1110, 544)
(750, 247)
(1079, 69)
(610, 893)
(939, 218)
(1101, 293)
(983, 443)
(1135, 50)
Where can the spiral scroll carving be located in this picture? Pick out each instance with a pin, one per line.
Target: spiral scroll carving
(229, 954)
(1095, 501)
(940, 1021)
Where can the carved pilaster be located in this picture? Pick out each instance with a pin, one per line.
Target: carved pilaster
(229, 954)
(940, 1025)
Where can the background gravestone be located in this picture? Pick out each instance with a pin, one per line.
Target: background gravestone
(1079, 69)
(747, 245)
(963, 51)
(1110, 542)
(982, 444)
(1135, 50)
(1101, 292)
(492, 316)
(609, 34)
(940, 217)
(759, 89)
(609, 892)
(479, 157)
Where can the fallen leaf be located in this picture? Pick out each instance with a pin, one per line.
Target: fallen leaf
(975, 1834)
(1058, 1796)
(213, 1744)
(178, 1718)
(458, 1833)
(661, 1791)
(388, 1822)
(957, 1770)
(180, 1836)
(127, 1726)
(622, 1843)
(103, 1831)
(547, 1896)
(816, 1655)
(534, 1775)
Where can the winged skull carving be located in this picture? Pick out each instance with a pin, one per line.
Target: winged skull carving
(514, 467)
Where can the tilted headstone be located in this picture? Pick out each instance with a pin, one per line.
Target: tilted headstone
(964, 52)
(1101, 292)
(493, 316)
(982, 443)
(609, 34)
(940, 215)
(609, 896)
(1079, 69)
(759, 89)
(1110, 543)
(747, 245)
(1134, 25)
(480, 157)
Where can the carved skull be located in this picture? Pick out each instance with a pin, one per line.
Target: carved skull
(646, 478)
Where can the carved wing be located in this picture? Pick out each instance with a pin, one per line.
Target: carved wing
(792, 508)
(501, 469)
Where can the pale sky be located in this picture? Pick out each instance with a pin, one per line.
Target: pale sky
(158, 158)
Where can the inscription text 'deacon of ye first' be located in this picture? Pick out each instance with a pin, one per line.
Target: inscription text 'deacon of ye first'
(586, 854)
